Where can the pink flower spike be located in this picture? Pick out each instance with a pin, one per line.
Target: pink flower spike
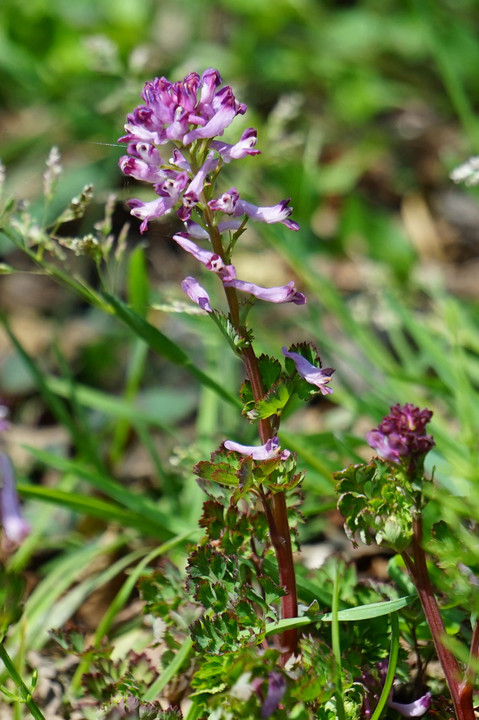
(312, 374)
(14, 526)
(280, 294)
(196, 293)
(269, 450)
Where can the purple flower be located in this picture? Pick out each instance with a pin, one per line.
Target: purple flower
(276, 690)
(312, 374)
(192, 195)
(231, 204)
(225, 108)
(210, 260)
(413, 709)
(169, 189)
(226, 202)
(269, 450)
(14, 526)
(280, 294)
(402, 434)
(196, 293)
(244, 146)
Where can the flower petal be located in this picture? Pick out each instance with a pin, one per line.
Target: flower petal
(312, 374)
(280, 294)
(196, 293)
(269, 450)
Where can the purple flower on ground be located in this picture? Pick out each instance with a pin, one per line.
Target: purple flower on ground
(312, 374)
(196, 293)
(413, 709)
(269, 450)
(280, 294)
(14, 526)
(402, 434)
(276, 690)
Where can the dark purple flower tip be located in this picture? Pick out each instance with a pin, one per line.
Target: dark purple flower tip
(402, 434)
(276, 690)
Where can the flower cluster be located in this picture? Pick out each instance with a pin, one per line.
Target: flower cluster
(401, 435)
(190, 116)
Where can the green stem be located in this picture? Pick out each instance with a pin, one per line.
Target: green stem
(393, 658)
(461, 692)
(20, 685)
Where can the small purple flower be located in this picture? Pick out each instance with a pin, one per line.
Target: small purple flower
(225, 107)
(231, 204)
(402, 434)
(281, 294)
(269, 450)
(196, 293)
(14, 526)
(192, 195)
(210, 260)
(413, 709)
(312, 374)
(276, 690)
(245, 146)
(226, 202)
(270, 214)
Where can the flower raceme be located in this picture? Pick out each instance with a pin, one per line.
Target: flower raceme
(190, 114)
(401, 435)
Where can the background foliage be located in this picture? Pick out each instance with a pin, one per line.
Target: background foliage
(362, 110)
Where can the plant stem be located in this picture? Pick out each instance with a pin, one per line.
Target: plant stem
(20, 685)
(461, 692)
(275, 504)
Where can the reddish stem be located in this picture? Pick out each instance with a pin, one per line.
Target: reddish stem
(461, 692)
(274, 504)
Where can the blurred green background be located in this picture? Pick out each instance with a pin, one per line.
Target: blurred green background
(362, 109)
